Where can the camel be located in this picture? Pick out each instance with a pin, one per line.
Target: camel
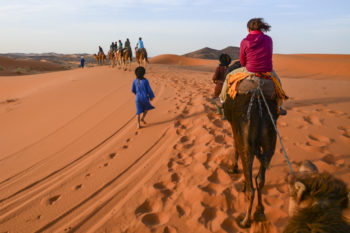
(141, 57)
(127, 59)
(254, 136)
(96, 57)
(316, 203)
(100, 58)
(111, 57)
(118, 58)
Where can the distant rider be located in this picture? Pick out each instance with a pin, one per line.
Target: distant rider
(128, 46)
(140, 47)
(140, 44)
(120, 47)
(100, 50)
(112, 47)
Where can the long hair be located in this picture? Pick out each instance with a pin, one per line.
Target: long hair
(258, 24)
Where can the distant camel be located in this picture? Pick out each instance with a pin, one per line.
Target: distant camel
(100, 58)
(111, 57)
(127, 59)
(141, 56)
(119, 58)
(96, 57)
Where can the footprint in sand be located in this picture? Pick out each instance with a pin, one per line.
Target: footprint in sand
(229, 225)
(145, 207)
(79, 186)
(185, 111)
(313, 120)
(220, 139)
(212, 218)
(175, 178)
(52, 200)
(218, 123)
(345, 132)
(319, 140)
(169, 229)
(337, 113)
(219, 177)
(166, 192)
(111, 156)
(211, 188)
(172, 165)
(154, 219)
(180, 211)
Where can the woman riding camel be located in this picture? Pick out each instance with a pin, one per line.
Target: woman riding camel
(256, 58)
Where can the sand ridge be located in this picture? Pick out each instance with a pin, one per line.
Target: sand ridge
(76, 163)
(10, 66)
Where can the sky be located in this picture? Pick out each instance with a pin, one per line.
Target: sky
(171, 26)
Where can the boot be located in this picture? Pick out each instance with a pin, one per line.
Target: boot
(282, 111)
(218, 110)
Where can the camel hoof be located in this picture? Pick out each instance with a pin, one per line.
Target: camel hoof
(259, 216)
(240, 222)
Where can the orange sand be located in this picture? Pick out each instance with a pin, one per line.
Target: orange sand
(72, 160)
(10, 66)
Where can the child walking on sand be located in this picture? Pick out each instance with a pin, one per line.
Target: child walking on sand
(144, 94)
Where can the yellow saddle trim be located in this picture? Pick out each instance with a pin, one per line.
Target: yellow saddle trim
(234, 79)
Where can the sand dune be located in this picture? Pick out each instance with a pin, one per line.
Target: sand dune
(170, 59)
(72, 160)
(316, 66)
(10, 66)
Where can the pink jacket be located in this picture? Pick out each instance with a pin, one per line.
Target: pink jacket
(256, 52)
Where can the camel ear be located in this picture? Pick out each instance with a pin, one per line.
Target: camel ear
(300, 189)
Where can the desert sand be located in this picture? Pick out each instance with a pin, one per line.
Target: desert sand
(10, 66)
(73, 160)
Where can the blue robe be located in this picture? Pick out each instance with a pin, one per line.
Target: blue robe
(144, 93)
(82, 62)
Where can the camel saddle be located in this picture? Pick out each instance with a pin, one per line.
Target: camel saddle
(244, 82)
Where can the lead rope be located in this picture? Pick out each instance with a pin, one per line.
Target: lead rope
(278, 134)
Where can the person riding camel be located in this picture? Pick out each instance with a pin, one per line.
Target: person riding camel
(111, 47)
(100, 50)
(128, 46)
(120, 47)
(256, 60)
(141, 47)
(140, 44)
(136, 47)
(219, 78)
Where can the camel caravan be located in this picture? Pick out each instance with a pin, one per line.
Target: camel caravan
(121, 56)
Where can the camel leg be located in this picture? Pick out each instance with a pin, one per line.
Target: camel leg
(235, 155)
(268, 145)
(247, 158)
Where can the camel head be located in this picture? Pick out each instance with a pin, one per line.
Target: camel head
(308, 189)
